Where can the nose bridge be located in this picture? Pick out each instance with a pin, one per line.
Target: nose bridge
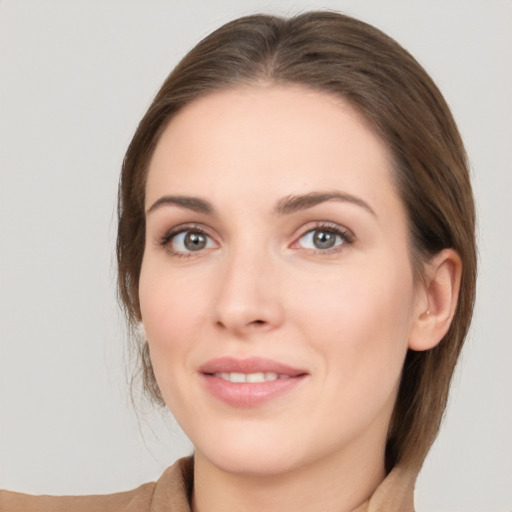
(248, 294)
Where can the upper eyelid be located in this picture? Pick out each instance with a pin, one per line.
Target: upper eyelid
(325, 225)
(189, 226)
(169, 234)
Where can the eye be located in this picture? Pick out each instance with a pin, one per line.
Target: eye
(324, 239)
(185, 242)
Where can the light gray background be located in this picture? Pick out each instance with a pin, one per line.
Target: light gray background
(76, 76)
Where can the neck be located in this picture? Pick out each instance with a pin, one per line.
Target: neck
(333, 484)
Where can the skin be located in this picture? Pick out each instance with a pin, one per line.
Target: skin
(260, 287)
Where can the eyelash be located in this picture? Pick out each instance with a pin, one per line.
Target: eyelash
(347, 237)
(174, 232)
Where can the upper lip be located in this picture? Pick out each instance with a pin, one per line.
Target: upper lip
(249, 365)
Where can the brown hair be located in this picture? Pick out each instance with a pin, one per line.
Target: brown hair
(332, 52)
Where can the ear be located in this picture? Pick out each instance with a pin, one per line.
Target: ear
(436, 301)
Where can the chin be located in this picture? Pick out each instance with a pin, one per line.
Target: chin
(252, 454)
(261, 464)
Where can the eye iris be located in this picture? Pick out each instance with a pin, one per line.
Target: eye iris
(195, 241)
(324, 239)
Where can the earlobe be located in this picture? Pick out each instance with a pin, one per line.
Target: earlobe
(440, 292)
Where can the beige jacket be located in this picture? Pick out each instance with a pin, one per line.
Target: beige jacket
(172, 493)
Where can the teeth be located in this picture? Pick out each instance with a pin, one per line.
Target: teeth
(236, 377)
(250, 377)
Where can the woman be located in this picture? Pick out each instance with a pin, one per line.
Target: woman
(296, 244)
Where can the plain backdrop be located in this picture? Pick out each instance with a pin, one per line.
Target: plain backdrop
(76, 77)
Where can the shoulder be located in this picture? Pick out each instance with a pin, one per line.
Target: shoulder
(170, 493)
(137, 499)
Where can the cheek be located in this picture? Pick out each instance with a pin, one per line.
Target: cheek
(168, 321)
(359, 320)
(174, 316)
(170, 300)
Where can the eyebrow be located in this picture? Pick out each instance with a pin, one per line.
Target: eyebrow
(296, 203)
(285, 206)
(190, 203)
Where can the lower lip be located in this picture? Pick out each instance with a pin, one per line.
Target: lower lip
(249, 394)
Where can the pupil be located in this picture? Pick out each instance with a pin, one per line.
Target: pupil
(195, 241)
(324, 239)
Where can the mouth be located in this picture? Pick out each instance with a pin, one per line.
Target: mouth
(249, 382)
(250, 377)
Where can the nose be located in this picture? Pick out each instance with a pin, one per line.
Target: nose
(248, 298)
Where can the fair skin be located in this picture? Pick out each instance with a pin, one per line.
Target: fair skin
(274, 231)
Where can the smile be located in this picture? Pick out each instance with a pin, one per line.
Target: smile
(250, 377)
(251, 382)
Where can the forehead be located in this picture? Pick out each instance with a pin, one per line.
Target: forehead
(282, 139)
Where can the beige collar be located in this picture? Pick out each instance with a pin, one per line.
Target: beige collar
(173, 490)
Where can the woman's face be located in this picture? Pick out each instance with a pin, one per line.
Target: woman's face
(276, 288)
